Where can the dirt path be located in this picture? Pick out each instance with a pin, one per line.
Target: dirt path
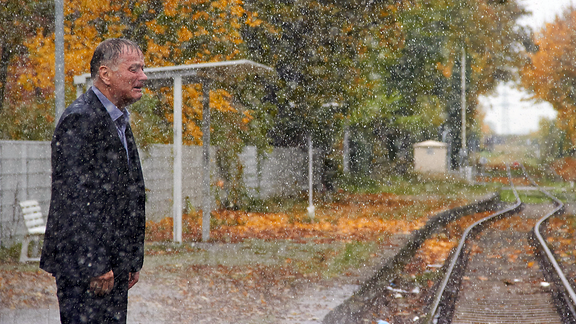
(224, 285)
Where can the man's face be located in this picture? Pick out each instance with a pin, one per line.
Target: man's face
(126, 77)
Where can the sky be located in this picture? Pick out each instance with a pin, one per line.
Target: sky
(522, 116)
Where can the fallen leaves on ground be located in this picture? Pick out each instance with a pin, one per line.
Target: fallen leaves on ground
(230, 294)
(29, 289)
(419, 274)
(566, 168)
(356, 217)
(224, 294)
(559, 233)
(516, 222)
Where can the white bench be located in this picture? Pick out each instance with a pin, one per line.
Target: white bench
(35, 227)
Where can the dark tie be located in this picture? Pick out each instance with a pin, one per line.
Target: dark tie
(121, 126)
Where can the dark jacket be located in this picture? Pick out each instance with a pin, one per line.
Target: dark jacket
(96, 219)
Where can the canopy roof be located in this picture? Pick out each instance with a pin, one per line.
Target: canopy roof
(226, 71)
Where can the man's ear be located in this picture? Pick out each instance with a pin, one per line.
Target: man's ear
(104, 74)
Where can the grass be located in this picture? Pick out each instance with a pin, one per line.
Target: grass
(353, 256)
(323, 260)
(9, 260)
(531, 196)
(10, 254)
(447, 186)
(516, 149)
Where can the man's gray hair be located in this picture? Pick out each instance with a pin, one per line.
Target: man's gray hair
(108, 51)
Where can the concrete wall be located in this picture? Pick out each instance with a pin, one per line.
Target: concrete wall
(25, 173)
(284, 171)
(157, 166)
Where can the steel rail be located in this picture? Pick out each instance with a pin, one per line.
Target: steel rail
(558, 210)
(433, 313)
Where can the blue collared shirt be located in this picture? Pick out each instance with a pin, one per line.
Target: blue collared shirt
(115, 113)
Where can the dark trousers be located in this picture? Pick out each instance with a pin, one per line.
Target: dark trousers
(78, 305)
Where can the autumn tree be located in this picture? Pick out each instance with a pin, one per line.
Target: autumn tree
(496, 48)
(316, 48)
(420, 88)
(18, 21)
(551, 73)
(169, 32)
(172, 32)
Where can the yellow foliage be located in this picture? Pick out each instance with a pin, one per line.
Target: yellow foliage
(157, 29)
(184, 34)
(445, 69)
(170, 7)
(215, 29)
(552, 70)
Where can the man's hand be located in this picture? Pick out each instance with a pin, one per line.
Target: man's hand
(133, 279)
(103, 284)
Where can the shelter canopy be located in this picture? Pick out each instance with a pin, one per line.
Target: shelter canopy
(226, 72)
(176, 76)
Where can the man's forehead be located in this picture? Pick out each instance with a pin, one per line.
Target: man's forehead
(130, 55)
(129, 50)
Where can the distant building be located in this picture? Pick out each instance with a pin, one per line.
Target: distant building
(430, 157)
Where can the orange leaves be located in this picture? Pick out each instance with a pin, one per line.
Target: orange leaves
(333, 222)
(184, 34)
(171, 7)
(552, 70)
(436, 249)
(220, 4)
(220, 100)
(88, 22)
(516, 222)
(26, 289)
(252, 19)
(566, 168)
(157, 55)
(247, 116)
(156, 28)
(200, 15)
(445, 69)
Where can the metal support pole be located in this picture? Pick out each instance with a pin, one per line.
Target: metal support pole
(346, 150)
(463, 98)
(79, 90)
(311, 208)
(206, 197)
(177, 203)
(59, 60)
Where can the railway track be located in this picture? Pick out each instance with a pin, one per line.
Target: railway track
(503, 272)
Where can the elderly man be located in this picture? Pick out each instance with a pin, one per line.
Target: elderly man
(94, 242)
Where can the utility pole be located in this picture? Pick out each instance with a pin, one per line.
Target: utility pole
(464, 152)
(59, 60)
(505, 113)
(467, 170)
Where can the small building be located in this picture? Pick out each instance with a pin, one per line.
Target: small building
(430, 157)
